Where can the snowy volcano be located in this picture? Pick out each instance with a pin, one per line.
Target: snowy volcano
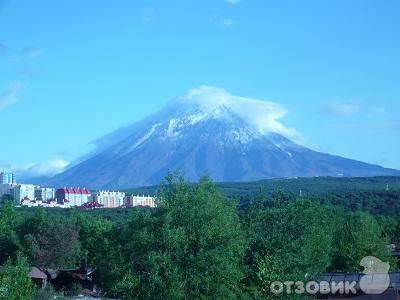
(207, 130)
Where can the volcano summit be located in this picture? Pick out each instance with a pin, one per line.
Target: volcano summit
(207, 130)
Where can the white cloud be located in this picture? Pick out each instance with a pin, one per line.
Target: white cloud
(263, 115)
(10, 95)
(232, 1)
(349, 108)
(220, 20)
(227, 22)
(31, 170)
(148, 14)
(48, 168)
(342, 108)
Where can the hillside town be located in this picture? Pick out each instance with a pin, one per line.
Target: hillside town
(31, 195)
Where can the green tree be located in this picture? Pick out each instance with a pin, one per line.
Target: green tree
(94, 235)
(100, 244)
(189, 248)
(9, 242)
(15, 283)
(6, 198)
(50, 240)
(358, 235)
(288, 241)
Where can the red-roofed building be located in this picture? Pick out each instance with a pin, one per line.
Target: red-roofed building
(76, 196)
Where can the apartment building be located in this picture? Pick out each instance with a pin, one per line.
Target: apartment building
(75, 196)
(132, 201)
(6, 189)
(42, 193)
(7, 178)
(23, 191)
(109, 199)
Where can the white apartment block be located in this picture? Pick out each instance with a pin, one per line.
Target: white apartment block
(44, 194)
(109, 199)
(7, 178)
(23, 191)
(132, 201)
(75, 196)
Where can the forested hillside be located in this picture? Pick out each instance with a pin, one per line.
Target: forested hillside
(196, 243)
(378, 195)
(308, 186)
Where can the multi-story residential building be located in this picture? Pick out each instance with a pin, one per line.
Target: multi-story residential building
(7, 178)
(131, 201)
(109, 199)
(42, 193)
(75, 196)
(6, 189)
(23, 191)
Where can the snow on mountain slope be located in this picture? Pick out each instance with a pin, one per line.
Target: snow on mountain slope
(207, 130)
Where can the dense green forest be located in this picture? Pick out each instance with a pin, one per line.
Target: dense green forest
(308, 186)
(358, 193)
(202, 243)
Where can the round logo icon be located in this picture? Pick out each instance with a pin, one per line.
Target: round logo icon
(376, 279)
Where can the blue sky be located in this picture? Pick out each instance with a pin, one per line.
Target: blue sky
(72, 71)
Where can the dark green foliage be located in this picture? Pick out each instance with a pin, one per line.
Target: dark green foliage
(50, 242)
(286, 241)
(190, 248)
(9, 241)
(200, 243)
(309, 186)
(376, 202)
(6, 198)
(94, 236)
(14, 281)
(46, 293)
(359, 235)
(366, 193)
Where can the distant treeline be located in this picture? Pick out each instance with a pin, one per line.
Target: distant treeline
(307, 185)
(197, 244)
(368, 194)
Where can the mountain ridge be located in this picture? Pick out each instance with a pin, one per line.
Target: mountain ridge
(207, 131)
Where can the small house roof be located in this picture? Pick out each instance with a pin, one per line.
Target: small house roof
(36, 273)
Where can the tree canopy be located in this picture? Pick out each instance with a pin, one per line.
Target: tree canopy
(199, 243)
